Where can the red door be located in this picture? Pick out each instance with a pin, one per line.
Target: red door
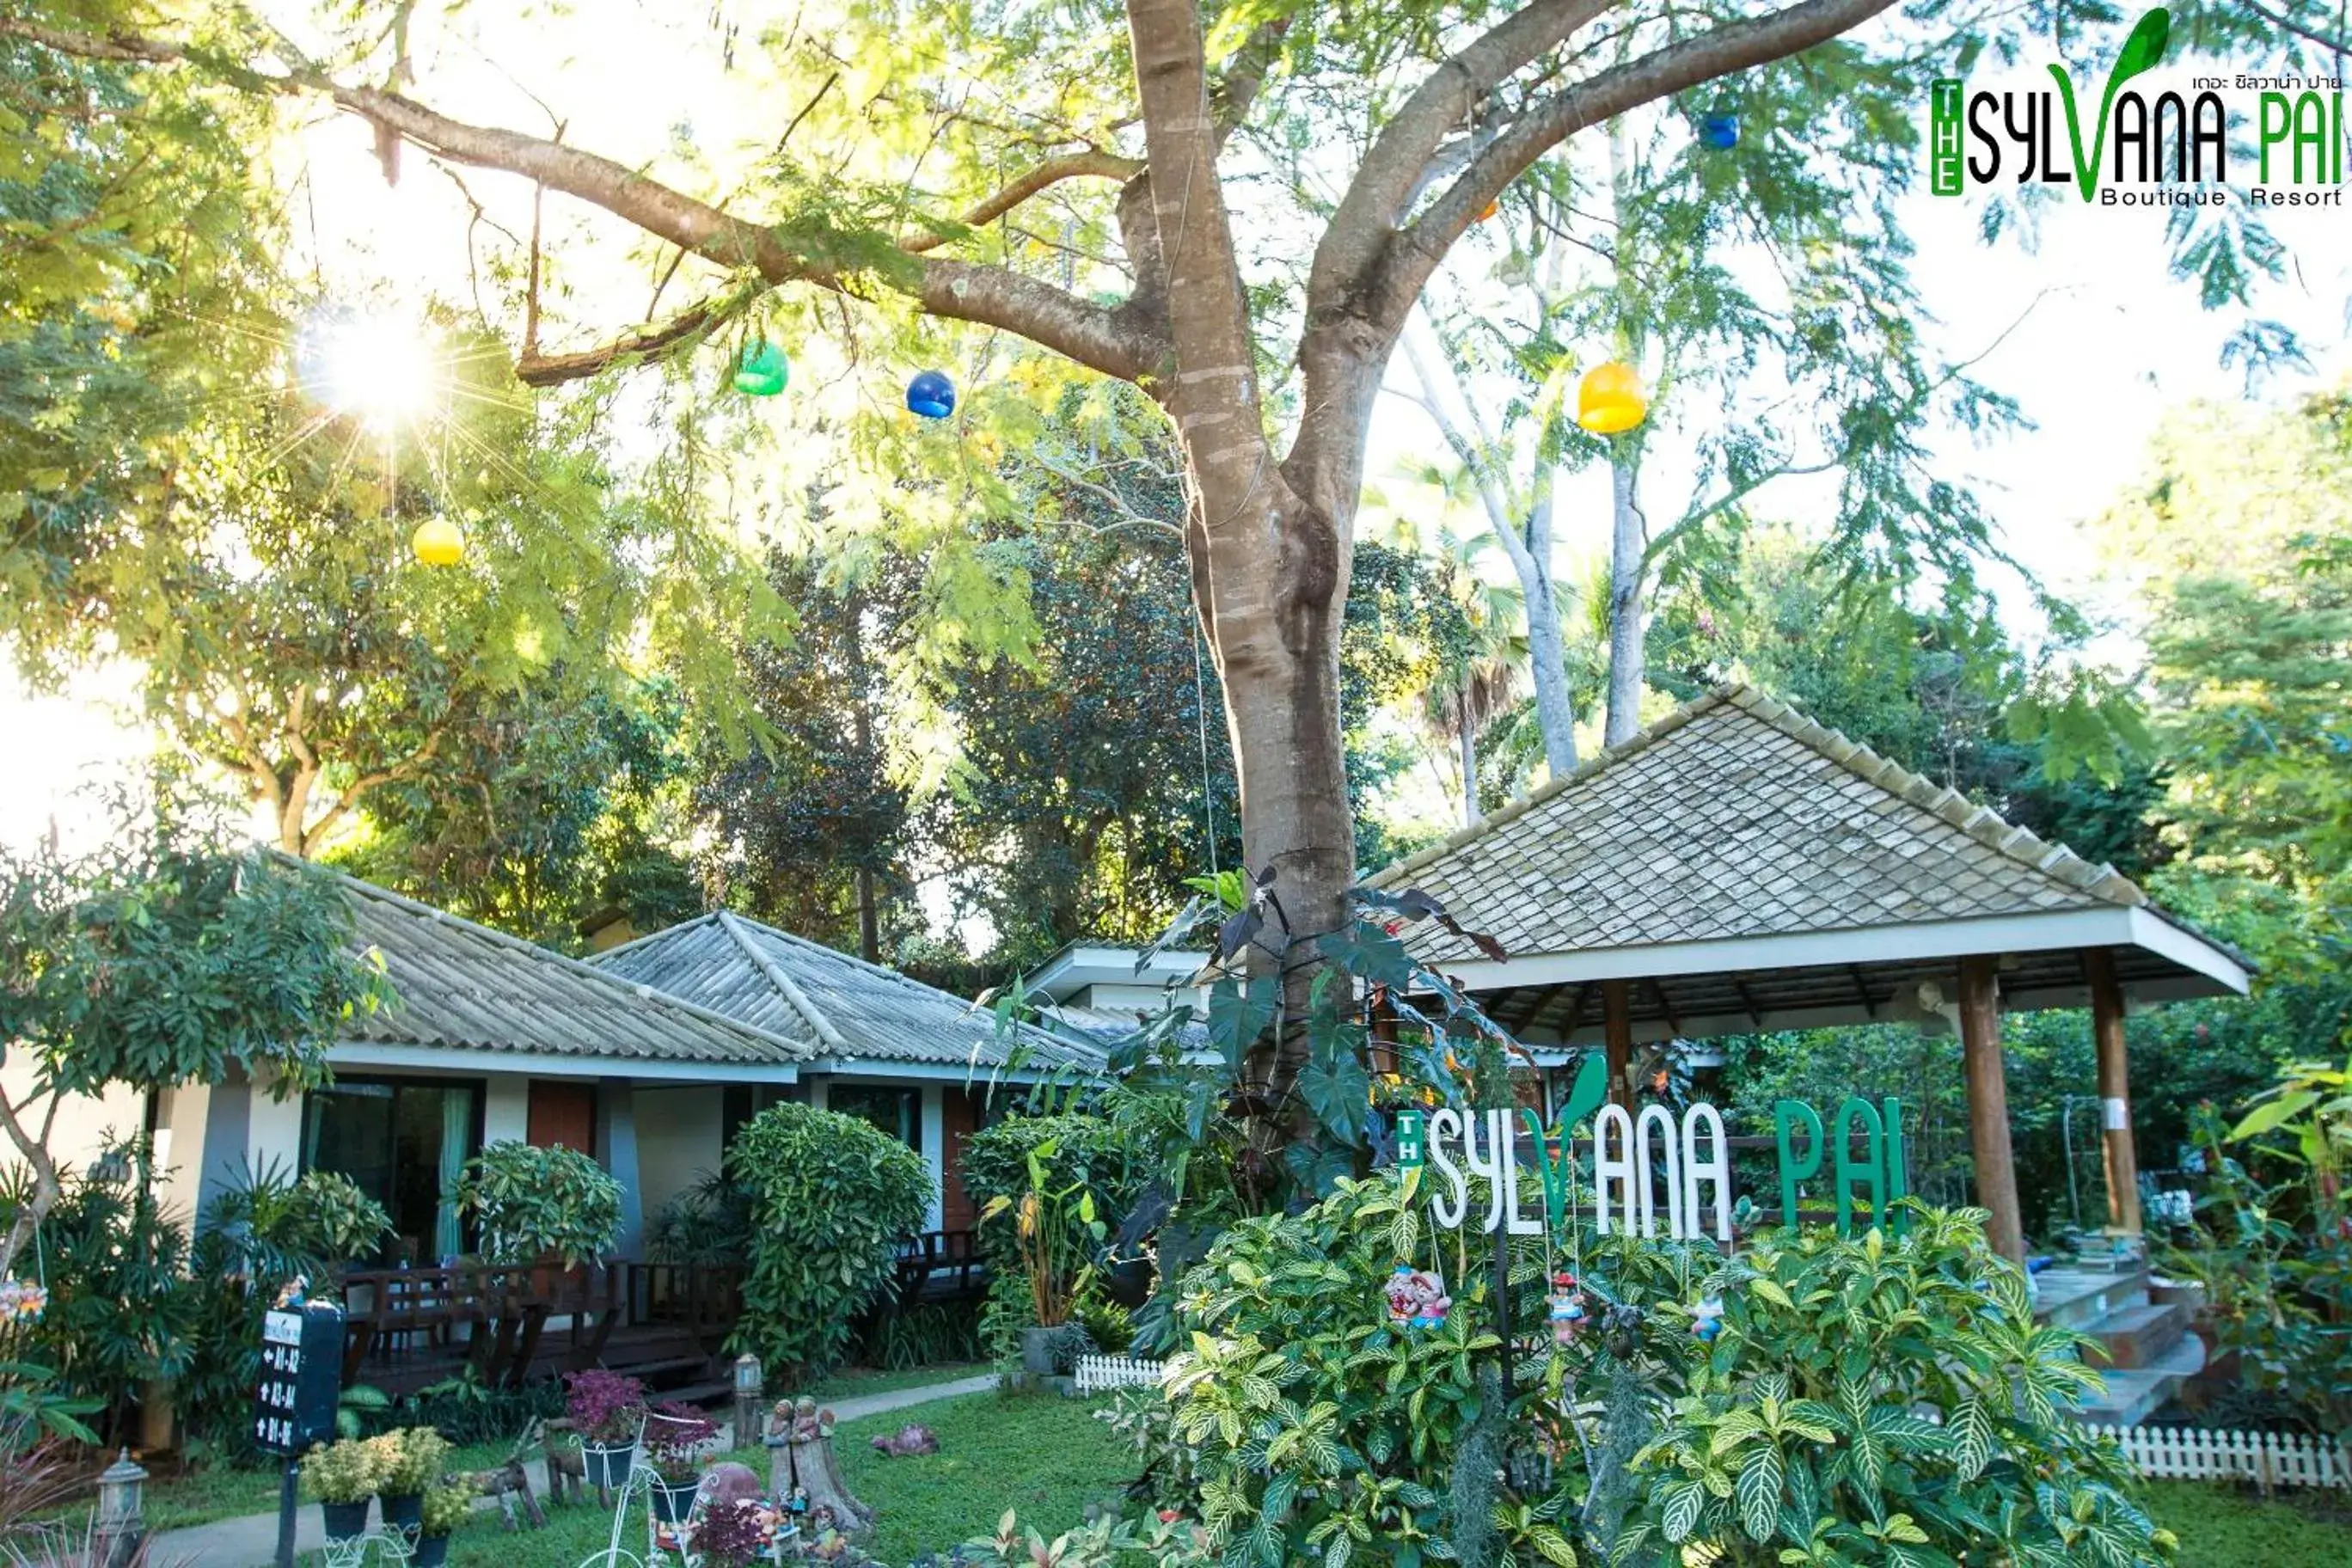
(562, 1112)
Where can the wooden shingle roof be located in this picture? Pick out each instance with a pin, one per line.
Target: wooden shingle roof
(841, 1011)
(1737, 816)
(1747, 863)
(462, 986)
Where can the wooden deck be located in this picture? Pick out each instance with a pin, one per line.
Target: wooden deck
(407, 1329)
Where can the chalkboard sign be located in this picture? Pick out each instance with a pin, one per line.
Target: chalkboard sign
(301, 1377)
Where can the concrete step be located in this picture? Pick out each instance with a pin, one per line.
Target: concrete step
(2134, 1337)
(2135, 1394)
(2078, 1297)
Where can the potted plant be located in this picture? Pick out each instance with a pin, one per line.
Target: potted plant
(412, 1459)
(342, 1477)
(1054, 1230)
(732, 1533)
(445, 1507)
(606, 1409)
(676, 1436)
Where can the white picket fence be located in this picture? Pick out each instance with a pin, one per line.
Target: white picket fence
(2266, 1458)
(1098, 1372)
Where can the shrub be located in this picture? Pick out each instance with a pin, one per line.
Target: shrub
(414, 1459)
(605, 1406)
(833, 1198)
(1073, 1150)
(348, 1471)
(710, 1223)
(445, 1507)
(1299, 1416)
(534, 1202)
(674, 1442)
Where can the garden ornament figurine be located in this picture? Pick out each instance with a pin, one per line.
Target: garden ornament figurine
(1568, 1309)
(804, 1469)
(907, 1441)
(1706, 1319)
(1417, 1297)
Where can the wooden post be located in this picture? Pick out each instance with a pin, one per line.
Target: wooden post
(1617, 1038)
(1989, 1107)
(2115, 1091)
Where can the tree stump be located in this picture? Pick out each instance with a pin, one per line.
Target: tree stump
(803, 1473)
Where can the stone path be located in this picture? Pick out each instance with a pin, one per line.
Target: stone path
(251, 1541)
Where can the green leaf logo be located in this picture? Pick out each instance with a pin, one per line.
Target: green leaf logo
(2143, 51)
(1591, 1089)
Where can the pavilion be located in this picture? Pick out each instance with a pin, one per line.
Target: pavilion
(1737, 867)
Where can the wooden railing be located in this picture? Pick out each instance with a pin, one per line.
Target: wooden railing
(409, 1327)
(939, 1264)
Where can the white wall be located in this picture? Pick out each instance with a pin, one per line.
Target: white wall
(84, 1124)
(506, 1108)
(678, 1139)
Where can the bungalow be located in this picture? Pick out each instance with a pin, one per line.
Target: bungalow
(491, 1037)
(920, 1064)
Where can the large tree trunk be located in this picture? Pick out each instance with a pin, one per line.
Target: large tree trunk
(1548, 658)
(1625, 547)
(1466, 737)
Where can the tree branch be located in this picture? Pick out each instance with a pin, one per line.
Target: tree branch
(2334, 46)
(993, 296)
(1052, 172)
(1415, 253)
(1376, 199)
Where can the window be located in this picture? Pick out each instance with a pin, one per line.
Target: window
(898, 1111)
(404, 1144)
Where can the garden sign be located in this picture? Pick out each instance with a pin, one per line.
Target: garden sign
(1651, 1164)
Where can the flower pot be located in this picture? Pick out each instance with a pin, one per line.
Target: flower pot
(431, 1551)
(345, 1520)
(406, 1511)
(608, 1464)
(673, 1500)
(1037, 1351)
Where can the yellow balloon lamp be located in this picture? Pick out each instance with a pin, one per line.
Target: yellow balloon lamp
(438, 541)
(1610, 400)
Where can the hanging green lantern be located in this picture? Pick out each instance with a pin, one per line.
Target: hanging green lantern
(760, 370)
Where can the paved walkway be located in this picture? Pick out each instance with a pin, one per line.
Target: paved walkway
(251, 1541)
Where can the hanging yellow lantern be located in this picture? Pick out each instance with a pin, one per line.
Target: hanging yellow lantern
(438, 541)
(1610, 400)
(1489, 210)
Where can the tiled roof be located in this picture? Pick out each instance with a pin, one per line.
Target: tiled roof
(1736, 816)
(464, 986)
(832, 1005)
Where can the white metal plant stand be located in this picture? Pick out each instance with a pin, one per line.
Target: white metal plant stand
(393, 1545)
(665, 1543)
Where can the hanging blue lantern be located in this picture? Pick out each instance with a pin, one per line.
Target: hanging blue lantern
(1719, 129)
(932, 394)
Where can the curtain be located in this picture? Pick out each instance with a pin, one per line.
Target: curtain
(457, 1132)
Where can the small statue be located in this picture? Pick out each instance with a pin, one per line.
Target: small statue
(907, 1442)
(805, 1471)
(1706, 1319)
(1417, 1297)
(1568, 1309)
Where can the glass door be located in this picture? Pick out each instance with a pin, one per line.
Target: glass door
(404, 1144)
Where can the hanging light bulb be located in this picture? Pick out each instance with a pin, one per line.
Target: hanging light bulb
(438, 541)
(1610, 400)
(760, 370)
(932, 394)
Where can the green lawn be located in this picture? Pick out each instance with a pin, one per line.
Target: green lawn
(2221, 1527)
(1039, 1453)
(856, 1382)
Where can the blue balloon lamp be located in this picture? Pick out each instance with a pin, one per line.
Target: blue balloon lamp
(1719, 129)
(932, 394)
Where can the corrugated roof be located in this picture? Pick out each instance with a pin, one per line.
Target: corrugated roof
(1733, 817)
(831, 1004)
(464, 986)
